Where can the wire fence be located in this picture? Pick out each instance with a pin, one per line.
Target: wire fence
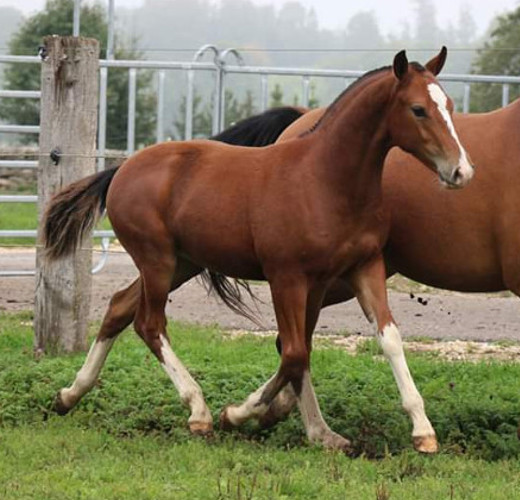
(221, 69)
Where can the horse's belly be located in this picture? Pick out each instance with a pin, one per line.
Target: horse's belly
(450, 263)
(229, 254)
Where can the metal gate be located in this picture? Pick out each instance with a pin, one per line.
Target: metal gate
(221, 68)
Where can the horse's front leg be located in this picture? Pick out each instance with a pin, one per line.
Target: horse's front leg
(368, 283)
(339, 291)
(294, 308)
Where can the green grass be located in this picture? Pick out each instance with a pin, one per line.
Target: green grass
(24, 216)
(17, 216)
(128, 437)
(63, 460)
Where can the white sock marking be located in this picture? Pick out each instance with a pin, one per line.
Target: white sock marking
(315, 425)
(89, 372)
(250, 408)
(189, 391)
(390, 341)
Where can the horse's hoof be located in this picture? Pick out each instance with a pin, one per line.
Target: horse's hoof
(59, 406)
(334, 441)
(426, 444)
(204, 429)
(224, 422)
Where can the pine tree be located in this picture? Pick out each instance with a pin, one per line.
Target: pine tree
(500, 56)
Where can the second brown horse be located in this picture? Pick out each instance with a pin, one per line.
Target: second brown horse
(299, 214)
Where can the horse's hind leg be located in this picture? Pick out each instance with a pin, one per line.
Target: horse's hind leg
(511, 274)
(150, 324)
(119, 315)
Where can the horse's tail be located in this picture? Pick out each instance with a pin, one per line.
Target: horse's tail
(257, 130)
(73, 212)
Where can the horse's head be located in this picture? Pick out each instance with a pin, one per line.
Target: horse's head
(420, 120)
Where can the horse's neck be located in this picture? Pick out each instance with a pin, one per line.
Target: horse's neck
(354, 139)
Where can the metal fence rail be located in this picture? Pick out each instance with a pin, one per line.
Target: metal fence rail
(221, 68)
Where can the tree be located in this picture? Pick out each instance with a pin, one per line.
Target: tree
(203, 116)
(236, 110)
(498, 57)
(57, 18)
(427, 33)
(202, 119)
(276, 96)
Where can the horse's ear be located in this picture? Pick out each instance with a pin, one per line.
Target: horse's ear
(437, 63)
(400, 64)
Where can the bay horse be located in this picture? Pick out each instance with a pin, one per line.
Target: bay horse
(427, 241)
(298, 214)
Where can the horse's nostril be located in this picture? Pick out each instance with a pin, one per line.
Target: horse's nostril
(457, 175)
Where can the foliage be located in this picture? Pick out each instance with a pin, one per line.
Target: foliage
(235, 110)
(474, 407)
(500, 56)
(202, 119)
(276, 96)
(57, 19)
(24, 216)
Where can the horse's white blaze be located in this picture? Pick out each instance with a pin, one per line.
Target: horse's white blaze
(441, 99)
(390, 342)
(89, 372)
(189, 391)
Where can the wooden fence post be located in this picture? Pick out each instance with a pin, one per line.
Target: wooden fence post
(68, 124)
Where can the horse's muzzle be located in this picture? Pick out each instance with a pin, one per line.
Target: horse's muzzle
(459, 177)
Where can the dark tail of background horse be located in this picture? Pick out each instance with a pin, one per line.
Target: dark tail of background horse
(74, 211)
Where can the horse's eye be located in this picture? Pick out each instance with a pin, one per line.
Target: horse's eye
(419, 111)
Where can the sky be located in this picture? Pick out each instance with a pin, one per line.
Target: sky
(391, 14)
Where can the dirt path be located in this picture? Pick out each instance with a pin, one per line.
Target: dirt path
(445, 316)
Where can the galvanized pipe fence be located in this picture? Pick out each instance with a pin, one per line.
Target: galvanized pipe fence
(221, 68)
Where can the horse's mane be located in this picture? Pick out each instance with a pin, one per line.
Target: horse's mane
(261, 129)
(354, 85)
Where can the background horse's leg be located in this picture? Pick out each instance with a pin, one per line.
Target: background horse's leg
(369, 285)
(120, 313)
(511, 272)
(158, 278)
(315, 426)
